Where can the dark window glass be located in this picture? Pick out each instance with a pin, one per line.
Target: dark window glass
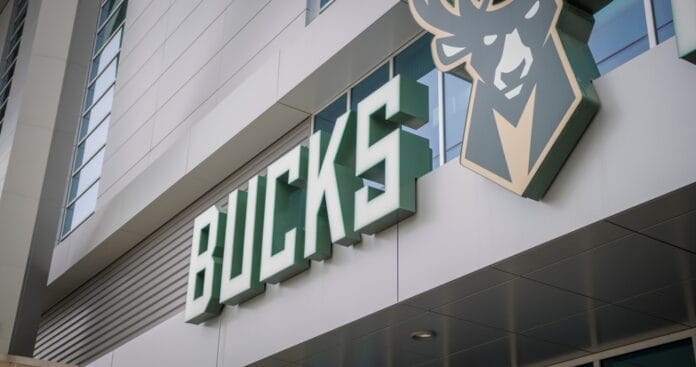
(9, 74)
(619, 34)
(326, 119)
(370, 84)
(416, 63)
(13, 42)
(2, 111)
(323, 3)
(12, 56)
(662, 10)
(106, 10)
(676, 354)
(111, 26)
(5, 94)
(457, 91)
(363, 89)
(16, 35)
(19, 18)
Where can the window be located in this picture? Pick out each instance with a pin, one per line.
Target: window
(14, 38)
(620, 33)
(662, 11)
(315, 7)
(415, 62)
(324, 3)
(88, 158)
(675, 354)
(678, 352)
(326, 119)
(368, 85)
(624, 29)
(457, 91)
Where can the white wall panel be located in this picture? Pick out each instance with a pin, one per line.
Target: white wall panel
(464, 223)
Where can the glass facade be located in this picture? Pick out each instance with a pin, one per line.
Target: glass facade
(14, 40)
(323, 3)
(662, 11)
(675, 354)
(94, 124)
(620, 33)
(457, 91)
(368, 85)
(314, 8)
(415, 62)
(326, 119)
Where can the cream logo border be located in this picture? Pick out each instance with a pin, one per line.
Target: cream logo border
(518, 136)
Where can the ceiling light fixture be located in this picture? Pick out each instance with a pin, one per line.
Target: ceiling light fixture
(422, 335)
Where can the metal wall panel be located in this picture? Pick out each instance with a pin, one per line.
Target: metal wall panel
(144, 286)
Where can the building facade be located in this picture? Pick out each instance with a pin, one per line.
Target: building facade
(125, 121)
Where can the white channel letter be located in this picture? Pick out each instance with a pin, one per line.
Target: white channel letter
(241, 260)
(282, 253)
(387, 154)
(331, 184)
(203, 293)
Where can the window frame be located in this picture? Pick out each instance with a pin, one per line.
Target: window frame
(390, 60)
(596, 358)
(323, 7)
(78, 171)
(13, 42)
(87, 110)
(651, 31)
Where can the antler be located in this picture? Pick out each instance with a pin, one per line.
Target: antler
(439, 15)
(433, 15)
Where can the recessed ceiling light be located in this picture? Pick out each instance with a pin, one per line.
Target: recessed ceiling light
(422, 334)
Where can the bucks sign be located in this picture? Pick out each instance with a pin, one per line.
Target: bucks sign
(531, 101)
(532, 96)
(311, 198)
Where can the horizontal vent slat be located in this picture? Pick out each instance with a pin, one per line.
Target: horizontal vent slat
(144, 286)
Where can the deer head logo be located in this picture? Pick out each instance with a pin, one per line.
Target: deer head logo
(530, 103)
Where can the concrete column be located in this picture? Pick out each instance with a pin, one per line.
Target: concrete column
(29, 130)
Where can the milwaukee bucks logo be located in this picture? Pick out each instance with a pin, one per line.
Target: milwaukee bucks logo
(531, 69)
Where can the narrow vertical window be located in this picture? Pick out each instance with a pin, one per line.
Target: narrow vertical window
(457, 91)
(416, 63)
(662, 10)
(90, 143)
(368, 85)
(9, 60)
(326, 119)
(324, 3)
(315, 7)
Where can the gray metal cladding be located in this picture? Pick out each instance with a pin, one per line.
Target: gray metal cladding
(144, 286)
